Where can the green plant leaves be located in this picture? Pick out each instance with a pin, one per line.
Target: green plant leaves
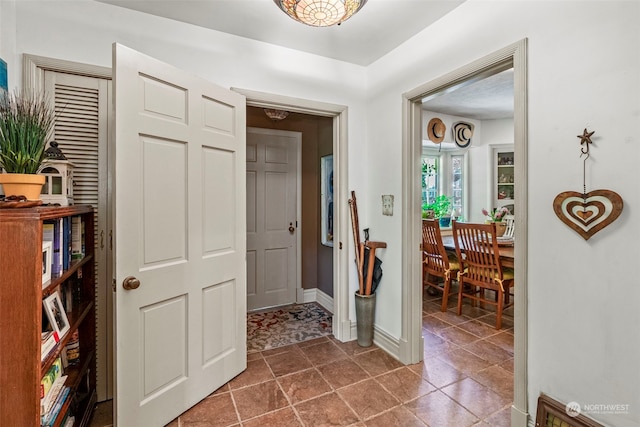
(26, 120)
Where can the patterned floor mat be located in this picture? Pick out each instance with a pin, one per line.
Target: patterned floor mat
(286, 325)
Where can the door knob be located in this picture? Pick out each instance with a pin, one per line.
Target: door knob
(130, 283)
(291, 229)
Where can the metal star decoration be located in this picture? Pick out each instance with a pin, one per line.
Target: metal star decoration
(585, 138)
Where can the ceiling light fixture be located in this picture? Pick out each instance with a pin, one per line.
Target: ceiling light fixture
(276, 115)
(320, 13)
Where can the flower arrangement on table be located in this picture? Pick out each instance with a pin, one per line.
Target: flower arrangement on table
(496, 214)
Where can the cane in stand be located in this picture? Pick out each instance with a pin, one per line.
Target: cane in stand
(365, 289)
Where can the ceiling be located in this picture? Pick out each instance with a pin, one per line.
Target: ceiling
(487, 99)
(379, 27)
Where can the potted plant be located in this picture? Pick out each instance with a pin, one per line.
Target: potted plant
(441, 208)
(496, 215)
(26, 120)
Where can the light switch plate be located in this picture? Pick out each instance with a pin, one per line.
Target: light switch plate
(387, 204)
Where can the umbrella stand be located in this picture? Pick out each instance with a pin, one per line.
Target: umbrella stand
(365, 297)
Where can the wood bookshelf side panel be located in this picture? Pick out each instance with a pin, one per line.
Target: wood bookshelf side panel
(20, 319)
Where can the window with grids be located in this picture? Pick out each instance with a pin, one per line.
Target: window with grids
(444, 173)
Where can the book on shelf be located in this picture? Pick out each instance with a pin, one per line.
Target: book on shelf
(48, 343)
(50, 418)
(46, 403)
(66, 242)
(77, 238)
(52, 231)
(50, 377)
(72, 349)
(48, 235)
(69, 421)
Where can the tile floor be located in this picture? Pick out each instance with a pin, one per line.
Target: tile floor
(466, 379)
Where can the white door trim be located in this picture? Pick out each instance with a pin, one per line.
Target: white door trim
(411, 342)
(341, 323)
(33, 70)
(298, 143)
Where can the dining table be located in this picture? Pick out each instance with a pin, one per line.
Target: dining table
(506, 250)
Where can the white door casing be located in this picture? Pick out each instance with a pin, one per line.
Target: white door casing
(180, 229)
(342, 257)
(84, 140)
(273, 162)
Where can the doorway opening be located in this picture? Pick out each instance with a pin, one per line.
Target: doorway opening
(513, 56)
(338, 302)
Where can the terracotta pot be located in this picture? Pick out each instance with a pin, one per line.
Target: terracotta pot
(20, 184)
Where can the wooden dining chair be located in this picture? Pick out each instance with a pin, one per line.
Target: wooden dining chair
(509, 220)
(436, 262)
(480, 267)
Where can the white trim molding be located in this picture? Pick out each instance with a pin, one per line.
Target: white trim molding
(316, 295)
(513, 56)
(341, 323)
(382, 339)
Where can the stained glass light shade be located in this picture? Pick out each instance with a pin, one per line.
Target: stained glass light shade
(320, 13)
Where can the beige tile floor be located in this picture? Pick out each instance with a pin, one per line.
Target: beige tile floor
(466, 379)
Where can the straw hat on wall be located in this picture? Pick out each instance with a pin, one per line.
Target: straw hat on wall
(436, 130)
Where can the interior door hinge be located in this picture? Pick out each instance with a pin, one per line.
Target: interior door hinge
(113, 285)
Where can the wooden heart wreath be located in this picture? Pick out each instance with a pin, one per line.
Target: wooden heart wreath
(588, 213)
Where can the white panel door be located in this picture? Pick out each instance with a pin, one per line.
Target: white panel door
(272, 227)
(179, 191)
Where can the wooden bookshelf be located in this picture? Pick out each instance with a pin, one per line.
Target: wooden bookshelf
(21, 314)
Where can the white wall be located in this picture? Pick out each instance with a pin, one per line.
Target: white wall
(7, 38)
(84, 31)
(583, 71)
(584, 62)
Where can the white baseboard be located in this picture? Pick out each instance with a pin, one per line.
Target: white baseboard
(382, 339)
(316, 295)
(520, 419)
(324, 300)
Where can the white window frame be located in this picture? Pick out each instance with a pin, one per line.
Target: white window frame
(445, 173)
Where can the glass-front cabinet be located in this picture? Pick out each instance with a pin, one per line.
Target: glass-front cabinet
(504, 177)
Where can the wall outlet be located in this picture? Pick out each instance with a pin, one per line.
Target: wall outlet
(387, 205)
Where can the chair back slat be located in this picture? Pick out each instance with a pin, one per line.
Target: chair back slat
(478, 252)
(509, 219)
(436, 258)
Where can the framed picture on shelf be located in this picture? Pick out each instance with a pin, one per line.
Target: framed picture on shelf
(47, 263)
(326, 200)
(56, 314)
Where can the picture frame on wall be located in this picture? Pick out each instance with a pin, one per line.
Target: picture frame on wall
(56, 314)
(326, 199)
(4, 80)
(47, 263)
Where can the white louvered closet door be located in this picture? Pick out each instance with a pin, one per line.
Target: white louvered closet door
(83, 105)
